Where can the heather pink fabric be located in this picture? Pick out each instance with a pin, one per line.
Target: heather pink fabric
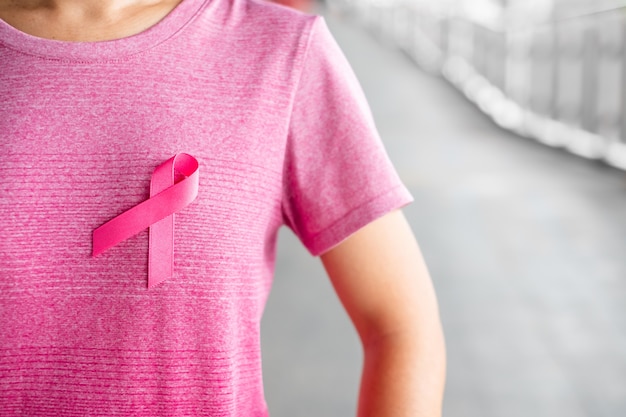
(263, 99)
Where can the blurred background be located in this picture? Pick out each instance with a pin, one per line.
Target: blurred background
(505, 118)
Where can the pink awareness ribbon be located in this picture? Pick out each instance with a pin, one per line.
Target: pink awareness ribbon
(157, 212)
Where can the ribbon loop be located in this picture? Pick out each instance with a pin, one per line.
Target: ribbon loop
(166, 198)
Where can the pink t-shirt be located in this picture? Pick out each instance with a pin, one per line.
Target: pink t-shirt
(265, 101)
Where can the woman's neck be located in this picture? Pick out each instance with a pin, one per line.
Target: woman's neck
(84, 20)
(85, 7)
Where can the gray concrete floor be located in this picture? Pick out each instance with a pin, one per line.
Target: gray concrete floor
(525, 245)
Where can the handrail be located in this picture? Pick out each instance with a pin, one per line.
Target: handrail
(499, 25)
(513, 69)
(591, 11)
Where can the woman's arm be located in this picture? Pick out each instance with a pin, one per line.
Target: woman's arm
(381, 279)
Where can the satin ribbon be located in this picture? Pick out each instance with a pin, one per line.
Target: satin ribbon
(166, 198)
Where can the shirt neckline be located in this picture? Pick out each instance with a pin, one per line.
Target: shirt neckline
(112, 49)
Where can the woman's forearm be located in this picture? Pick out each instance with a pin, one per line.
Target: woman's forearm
(403, 375)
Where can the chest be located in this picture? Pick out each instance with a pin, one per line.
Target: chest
(80, 146)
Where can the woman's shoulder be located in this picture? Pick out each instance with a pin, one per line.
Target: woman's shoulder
(266, 16)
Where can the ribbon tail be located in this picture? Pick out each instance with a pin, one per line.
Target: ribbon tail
(161, 243)
(161, 251)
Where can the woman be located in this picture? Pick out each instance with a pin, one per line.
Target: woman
(259, 113)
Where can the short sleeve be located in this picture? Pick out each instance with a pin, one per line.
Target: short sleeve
(337, 174)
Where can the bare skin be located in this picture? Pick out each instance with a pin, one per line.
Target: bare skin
(381, 279)
(84, 20)
(378, 272)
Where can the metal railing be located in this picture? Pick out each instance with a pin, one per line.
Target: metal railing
(560, 80)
